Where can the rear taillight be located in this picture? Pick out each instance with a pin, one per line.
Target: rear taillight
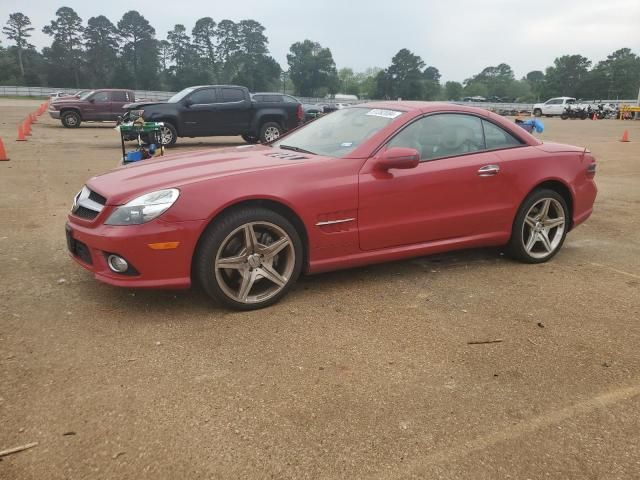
(300, 113)
(591, 170)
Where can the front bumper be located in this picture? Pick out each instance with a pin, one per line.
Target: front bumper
(169, 268)
(54, 114)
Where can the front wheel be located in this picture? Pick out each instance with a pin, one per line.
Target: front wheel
(168, 135)
(564, 116)
(71, 119)
(537, 112)
(270, 132)
(540, 227)
(249, 258)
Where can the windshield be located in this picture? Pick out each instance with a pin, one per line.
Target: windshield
(87, 94)
(340, 132)
(181, 94)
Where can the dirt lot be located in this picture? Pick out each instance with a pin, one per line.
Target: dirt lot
(365, 373)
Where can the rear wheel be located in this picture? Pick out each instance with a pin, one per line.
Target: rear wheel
(540, 227)
(71, 119)
(564, 116)
(249, 258)
(270, 132)
(537, 112)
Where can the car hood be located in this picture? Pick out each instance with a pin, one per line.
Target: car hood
(136, 105)
(129, 181)
(69, 100)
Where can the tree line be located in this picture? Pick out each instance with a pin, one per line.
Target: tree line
(127, 54)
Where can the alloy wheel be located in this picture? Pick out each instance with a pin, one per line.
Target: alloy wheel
(271, 134)
(543, 228)
(254, 262)
(166, 135)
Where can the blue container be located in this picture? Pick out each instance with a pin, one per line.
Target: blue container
(134, 156)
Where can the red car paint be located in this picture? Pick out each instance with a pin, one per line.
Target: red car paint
(437, 206)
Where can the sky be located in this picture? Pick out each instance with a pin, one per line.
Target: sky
(459, 37)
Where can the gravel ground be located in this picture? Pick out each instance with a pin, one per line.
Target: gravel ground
(365, 373)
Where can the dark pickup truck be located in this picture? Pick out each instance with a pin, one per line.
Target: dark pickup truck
(216, 110)
(105, 105)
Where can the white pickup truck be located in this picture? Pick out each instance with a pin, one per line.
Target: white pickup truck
(553, 106)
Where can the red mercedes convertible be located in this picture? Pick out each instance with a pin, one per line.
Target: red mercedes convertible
(369, 183)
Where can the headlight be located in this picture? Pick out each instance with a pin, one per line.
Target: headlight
(144, 208)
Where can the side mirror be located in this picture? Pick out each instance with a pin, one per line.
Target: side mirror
(187, 102)
(92, 100)
(398, 157)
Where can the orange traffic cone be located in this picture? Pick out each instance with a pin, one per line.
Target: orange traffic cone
(3, 152)
(20, 135)
(625, 137)
(33, 118)
(26, 127)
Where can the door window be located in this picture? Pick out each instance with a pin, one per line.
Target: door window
(119, 96)
(496, 137)
(442, 135)
(204, 96)
(101, 97)
(232, 95)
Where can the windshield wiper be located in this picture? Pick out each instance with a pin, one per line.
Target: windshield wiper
(296, 149)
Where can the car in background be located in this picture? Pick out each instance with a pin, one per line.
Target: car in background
(553, 107)
(54, 95)
(105, 105)
(66, 96)
(221, 110)
(366, 184)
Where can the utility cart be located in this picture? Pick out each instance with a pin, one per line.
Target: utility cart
(148, 136)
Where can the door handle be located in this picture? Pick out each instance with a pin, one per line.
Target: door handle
(489, 170)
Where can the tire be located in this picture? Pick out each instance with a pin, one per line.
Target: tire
(250, 139)
(71, 119)
(537, 112)
(552, 226)
(169, 135)
(270, 132)
(255, 277)
(564, 116)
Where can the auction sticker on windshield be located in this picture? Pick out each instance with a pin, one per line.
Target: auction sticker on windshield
(379, 112)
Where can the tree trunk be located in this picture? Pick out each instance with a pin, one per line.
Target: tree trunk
(20, 61)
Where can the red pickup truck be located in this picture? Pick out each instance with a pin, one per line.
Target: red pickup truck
(103, 105)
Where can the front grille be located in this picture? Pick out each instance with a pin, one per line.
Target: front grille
(88, 204)
(96, 197)
(85, 213)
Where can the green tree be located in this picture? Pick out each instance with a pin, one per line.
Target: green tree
(312, 69)
(536, 81)
(204, 34)
(65, 54)
(453, 90)
(140, 49)
(432, 86)
(101, 50)
(622, 72)
(403, 78)
(567, 75)
(19, 30)
(495, 81)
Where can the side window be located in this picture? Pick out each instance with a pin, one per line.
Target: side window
(101, 97)
(204, 96)
(118, 96)
(442, 135)
(231, 95)
(555, 101)
(495, 137)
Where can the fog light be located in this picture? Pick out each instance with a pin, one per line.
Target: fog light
(117, 264)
